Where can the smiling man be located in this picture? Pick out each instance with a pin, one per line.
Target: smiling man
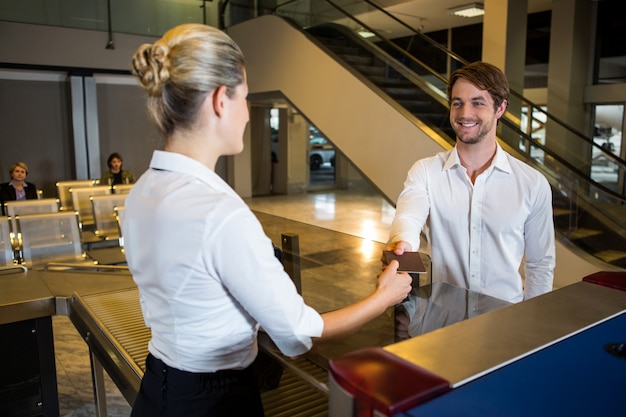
(488, 216)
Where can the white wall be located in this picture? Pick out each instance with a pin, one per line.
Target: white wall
(363, 126)
(62, 47)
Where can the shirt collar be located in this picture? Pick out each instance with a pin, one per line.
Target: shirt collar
(500, 160)
(176, 162)
(453, 160)
(12, 184)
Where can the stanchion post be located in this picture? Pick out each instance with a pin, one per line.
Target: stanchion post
(291, 253)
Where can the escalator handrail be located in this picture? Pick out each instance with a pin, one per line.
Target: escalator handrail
(387, 41)
(550, 117)
(565, 163)
(418, 33)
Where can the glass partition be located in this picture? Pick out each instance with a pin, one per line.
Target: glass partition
(336, 269)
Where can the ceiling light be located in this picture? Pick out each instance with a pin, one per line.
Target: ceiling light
(365, 33)
(469, 10)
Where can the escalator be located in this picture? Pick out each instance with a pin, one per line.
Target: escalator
(328, 57)
(373, 63)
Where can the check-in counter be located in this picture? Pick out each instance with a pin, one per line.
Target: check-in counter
(28, 300)
(113, 326)
(28, 384)
(421, 371)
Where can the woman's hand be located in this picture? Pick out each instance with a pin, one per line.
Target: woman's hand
(392, 285)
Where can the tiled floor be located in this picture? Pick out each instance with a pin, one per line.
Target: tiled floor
(361, 213)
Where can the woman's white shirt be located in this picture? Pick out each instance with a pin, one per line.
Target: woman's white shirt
(206, 271)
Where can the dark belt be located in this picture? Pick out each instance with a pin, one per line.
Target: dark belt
(161, 367)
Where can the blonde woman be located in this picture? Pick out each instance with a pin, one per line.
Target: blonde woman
(18, 188)
(206, 272)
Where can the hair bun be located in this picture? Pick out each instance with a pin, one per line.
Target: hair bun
(150, 65)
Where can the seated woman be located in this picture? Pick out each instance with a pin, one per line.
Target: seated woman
(18, 188)
(116, 175)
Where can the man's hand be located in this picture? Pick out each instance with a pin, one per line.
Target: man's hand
(398, 248)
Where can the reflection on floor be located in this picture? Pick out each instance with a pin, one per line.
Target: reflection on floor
(361, 213)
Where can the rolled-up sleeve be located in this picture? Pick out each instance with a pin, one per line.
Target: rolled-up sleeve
(412, 207)
(540, 257)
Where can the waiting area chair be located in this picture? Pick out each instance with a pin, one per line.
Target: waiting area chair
(63, 190)
(104, 215)
(8, 260)
(82, 204)
(23, 207)
(122, 188)
(6, 243)
(119, 216)
(50, 237)
(19, 207)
